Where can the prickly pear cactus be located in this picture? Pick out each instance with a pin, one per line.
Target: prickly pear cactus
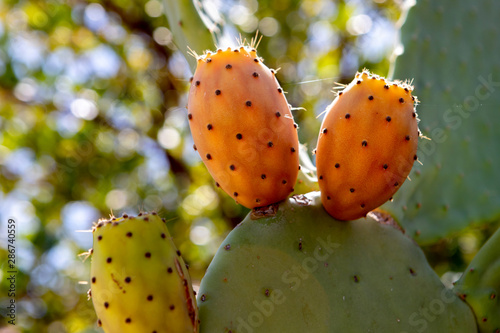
(242, 127)
(479, 286)
(139, 282)
(367, 145)
(299, 270)
(191, 26)
(449, 49)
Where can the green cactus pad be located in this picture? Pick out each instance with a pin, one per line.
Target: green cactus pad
(479, 286)
(450, 51)
(191, 27)
(300, 270)
(139, 282)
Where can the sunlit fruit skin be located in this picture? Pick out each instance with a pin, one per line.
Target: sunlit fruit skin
(367, 145)
(139, 281)
(243, 128)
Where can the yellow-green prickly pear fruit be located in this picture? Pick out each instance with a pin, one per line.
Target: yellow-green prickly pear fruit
(139, 282)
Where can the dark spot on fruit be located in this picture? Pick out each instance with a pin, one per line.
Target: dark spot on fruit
(328, 198)
(352, 190)
(257, 200)
(273, 71)
(203, 298)
(140, 214)
(217, 92)
(485, 319)
(414, 114)
(256, 60)
(106, 305)
(163, 235)
(197, 83)
(263, 176)
(125, 216)
(407, 138)
(190, 116)
(209, 157)
(99, 237)
(401, 100)
(362, 205)
(386, 86)
(178, 253)
(147, 254)
(128, 320)
(236, 50)
(248, 103)
(239, 136)
(228, 66)
(150, 297)
(146, 218)
(364, 143)
(406, 89)
(385, 166)
(209, 127)
(320, 177)
(414, 157)
(388, 118)
(235, 194)
(108, 260)
(170, 270)
(337, 165)
(280, 90)
(93, 279)
(283, 182)
(295, 125)
(217, 184)
(359, 82)
(255, 74)
(227, 247)
(412, 272)
(128, 279)
(270, 144)
(325, 131)
(232, 167)
(292, 150)
(209, 59)
(356, 279)
(278, 114)
(396, 184)
(347, 116)
(194, 147)
(292, 189)
(299, 167)
(370, 98)
(172, 307)
(340, 93)
(99, 322)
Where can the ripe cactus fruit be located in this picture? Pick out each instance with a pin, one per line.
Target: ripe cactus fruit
(367, 145)
(139, 282)
(242, 127)
(479, 286)
(283, 273)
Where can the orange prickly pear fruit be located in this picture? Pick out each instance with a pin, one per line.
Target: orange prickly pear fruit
(367, 145)
(242, 127)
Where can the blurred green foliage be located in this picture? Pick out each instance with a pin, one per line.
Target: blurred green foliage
(93, 123)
